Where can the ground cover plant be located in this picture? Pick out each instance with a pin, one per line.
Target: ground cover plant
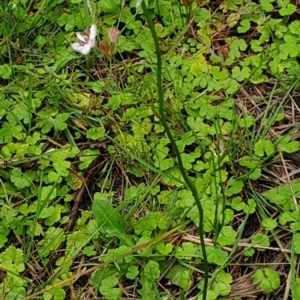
(109, 137)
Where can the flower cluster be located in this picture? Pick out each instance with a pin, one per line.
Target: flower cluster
(87, 40)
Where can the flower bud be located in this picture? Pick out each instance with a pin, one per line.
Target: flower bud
(113, 35)
(104, 48)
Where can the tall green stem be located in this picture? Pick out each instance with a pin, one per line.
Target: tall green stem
(187, 180)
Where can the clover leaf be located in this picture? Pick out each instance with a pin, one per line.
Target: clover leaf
(227, 236)
(260, 239)
(266, 5)
(241, 74)
(269, 224)
(236, 46)
(180, 276)
(5, 71)
(287, 8)
(268, 280)
(285, 145)
(108, 289)
(88, 156)
(264, 146)
(222, 284)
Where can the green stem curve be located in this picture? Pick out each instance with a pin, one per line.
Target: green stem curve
(187, 180)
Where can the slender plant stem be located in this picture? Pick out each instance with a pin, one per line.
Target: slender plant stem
(186, 178)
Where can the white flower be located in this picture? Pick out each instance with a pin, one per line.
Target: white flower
(86, 40)
(138, 3)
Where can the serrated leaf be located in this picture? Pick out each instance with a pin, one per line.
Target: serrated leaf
(12, 259)
(132, 272)
(96, 133)
(269, 224)
(151, 270)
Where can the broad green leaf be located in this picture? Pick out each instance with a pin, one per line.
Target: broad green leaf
(109, 6)
(148, 277)
(180, 276)
(241, 74)
(110, 221)
(278, 196)
(295, 27)
(122, 99)
(236, 46)
(237, 203)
